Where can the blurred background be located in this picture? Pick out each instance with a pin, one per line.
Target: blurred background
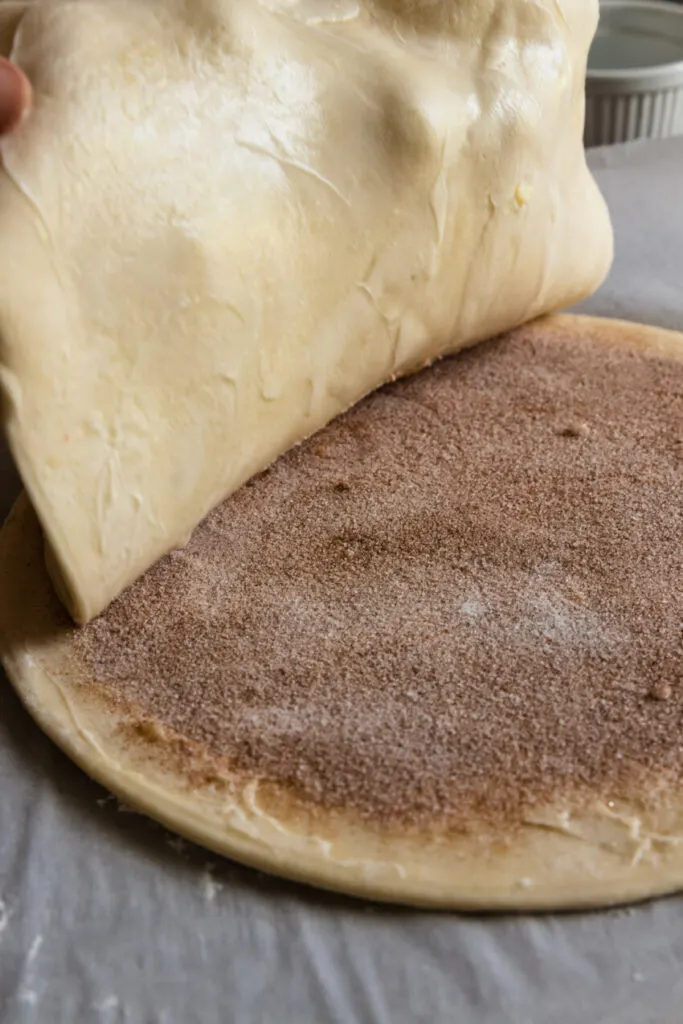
(635, 72)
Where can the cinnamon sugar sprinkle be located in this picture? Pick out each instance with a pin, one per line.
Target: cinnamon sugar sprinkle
(462, 598)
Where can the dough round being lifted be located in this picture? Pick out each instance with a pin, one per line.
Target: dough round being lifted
(431, 656)
(226, 221)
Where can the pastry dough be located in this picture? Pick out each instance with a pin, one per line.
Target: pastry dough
(227, 220)
(571, 853)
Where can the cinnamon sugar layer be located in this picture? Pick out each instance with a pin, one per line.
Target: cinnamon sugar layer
(461, 598)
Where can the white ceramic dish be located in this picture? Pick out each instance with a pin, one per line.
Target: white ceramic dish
(634, 86)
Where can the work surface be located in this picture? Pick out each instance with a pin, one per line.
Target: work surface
(106, 917)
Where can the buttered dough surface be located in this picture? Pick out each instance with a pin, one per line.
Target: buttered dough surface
(225, 221)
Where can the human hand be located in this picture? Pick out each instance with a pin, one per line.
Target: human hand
(15, 96)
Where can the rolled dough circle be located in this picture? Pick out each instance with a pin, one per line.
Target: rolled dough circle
(570, 852)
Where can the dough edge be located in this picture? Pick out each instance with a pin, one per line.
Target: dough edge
(565, 857)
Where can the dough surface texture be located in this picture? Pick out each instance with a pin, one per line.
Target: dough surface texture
(431, 656)
(226, 221)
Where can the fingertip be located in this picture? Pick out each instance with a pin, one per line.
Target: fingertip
(16, 95)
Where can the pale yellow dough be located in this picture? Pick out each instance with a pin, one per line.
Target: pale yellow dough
(566, 855)
(225, 221)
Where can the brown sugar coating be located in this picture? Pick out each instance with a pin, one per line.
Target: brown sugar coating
(461, 598)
